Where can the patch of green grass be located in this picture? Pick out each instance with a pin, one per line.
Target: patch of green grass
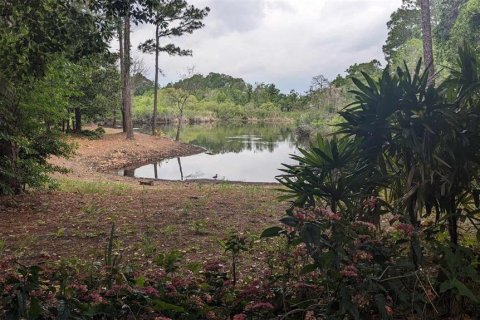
(199, 227)
(89, 187)
(169, 230)
(25, 244)
(2, 246)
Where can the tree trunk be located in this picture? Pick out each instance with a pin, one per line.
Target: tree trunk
(68, 120)
(155, 91)
(126, 80)
(179, 126)
(129, 173)
(10, 183)
(427, 39)
(122, 69)
(78, 120)
(114, 119)
(180, 167)
(453, 224)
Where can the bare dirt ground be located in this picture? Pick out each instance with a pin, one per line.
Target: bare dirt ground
(114, 152)
(73, 222)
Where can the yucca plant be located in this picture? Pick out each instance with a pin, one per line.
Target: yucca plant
(329, 173)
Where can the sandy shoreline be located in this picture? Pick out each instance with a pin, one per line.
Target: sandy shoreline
(101, 158)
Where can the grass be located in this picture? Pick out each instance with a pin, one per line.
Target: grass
(190, 217)
(94, 187)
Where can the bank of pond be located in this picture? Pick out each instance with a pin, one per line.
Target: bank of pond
(233, 152)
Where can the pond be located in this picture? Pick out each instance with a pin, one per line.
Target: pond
(242, 152)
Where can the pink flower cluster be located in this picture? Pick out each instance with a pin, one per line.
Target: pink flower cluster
(349, 271)
(151, 291)
(256, 306)
(182, 282)
(362, 255)
(363, 224)
(213, 266)
(330, 215)
(117, 289)
(310, 315)
(79, 288)
(251, 290)
(95, 298)
(304, 214)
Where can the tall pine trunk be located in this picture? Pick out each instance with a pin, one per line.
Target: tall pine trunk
(127, 92)
(427, 39)
(122, 69)
(155, 91)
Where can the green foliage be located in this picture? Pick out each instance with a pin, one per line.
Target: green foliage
(96, 134)
(40, 43)
(466, 26)
(235, 244)
(447, 14)
(141, 84)
(410, 151)
(453, 21)
(403, 26)
(170, 261)
(330, 172)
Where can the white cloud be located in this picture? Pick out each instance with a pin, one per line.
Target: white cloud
(284, 42)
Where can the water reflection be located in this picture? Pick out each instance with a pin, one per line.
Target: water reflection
(251, 153)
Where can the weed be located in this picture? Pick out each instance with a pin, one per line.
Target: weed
(60, 232)
(199, 227)
(169, 230)
(170, 261)
(148, 245)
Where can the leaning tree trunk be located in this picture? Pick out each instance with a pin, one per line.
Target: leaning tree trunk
(127, 99)
(155, 91)
(180, 167)
(427, 39)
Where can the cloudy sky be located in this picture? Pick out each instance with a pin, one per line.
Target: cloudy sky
(285, 42)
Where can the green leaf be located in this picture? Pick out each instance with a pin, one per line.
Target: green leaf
(289, 221)
(160, 305)
(464, 290)
(140, 282)
(381, 302)
(309, 268)
(271, 232)
(35, 309)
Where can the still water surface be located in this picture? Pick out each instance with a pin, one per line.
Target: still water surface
(248, 152)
